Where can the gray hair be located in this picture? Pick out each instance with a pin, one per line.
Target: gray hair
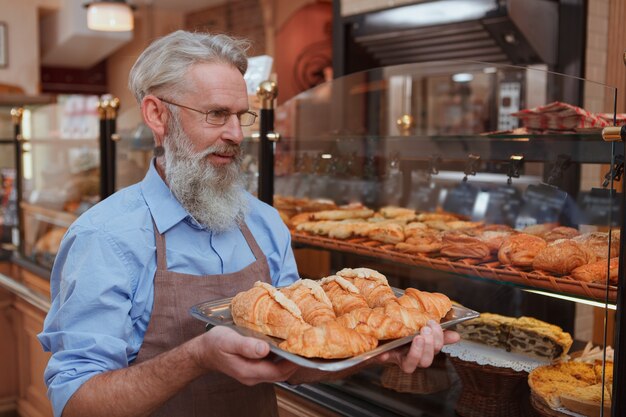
(164, 63)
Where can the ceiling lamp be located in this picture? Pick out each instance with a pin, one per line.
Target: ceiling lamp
(110, 16)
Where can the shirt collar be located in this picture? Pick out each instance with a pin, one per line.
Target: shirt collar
(166, 210)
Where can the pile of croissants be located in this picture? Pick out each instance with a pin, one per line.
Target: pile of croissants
(339, 316)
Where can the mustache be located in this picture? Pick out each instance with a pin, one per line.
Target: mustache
(223, 149)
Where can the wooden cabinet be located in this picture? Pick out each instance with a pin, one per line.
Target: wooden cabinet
(22, 359)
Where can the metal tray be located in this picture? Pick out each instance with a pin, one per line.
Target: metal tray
(217, 313)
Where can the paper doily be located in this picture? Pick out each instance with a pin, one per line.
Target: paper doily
(487, 355)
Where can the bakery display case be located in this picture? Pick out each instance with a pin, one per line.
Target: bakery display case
(65, 163)
(477, 181)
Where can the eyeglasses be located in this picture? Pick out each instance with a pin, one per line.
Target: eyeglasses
(220, 117)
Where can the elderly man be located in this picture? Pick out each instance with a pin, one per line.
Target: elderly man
(122, 341)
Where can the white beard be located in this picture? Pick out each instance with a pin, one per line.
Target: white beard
(213, 195)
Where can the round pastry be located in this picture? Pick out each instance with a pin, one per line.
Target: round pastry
(562, 257)
(520, 250)
(598, 243)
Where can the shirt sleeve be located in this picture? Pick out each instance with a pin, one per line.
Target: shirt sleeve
(88, 326)
(289, 271)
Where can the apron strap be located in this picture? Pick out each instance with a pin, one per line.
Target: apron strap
(254, 246)
(160, 249)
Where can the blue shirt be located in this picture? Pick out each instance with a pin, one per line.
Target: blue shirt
(102, 280)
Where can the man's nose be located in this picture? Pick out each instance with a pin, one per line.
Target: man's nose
(232, 129)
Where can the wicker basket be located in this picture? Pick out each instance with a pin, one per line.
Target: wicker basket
(423, 381)
(490, 391)
(542, 409)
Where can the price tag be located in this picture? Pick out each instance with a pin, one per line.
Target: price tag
(503, 206)
(424, 197)
(542, 203)
(461, 199)
(598, 205)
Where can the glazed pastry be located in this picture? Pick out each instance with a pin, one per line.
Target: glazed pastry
(596, 271)
(312, 301)
(374, 322)
(460, 245)
(562, 257)
(343, 295)
(433, 303)
(265, 309)
(560, 232)
(520, 250)
(423, 244)
(330, 340)
(371, 284)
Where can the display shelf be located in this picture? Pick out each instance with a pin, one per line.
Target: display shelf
(489, 269)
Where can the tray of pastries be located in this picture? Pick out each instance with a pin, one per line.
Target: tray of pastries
(546, 256)
(333, 323)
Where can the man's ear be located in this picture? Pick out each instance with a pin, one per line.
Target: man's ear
(155, 115)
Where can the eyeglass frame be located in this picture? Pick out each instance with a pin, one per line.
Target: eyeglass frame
(206, 114)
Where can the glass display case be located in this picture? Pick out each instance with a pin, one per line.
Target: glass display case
(66, 163)
(443, 176)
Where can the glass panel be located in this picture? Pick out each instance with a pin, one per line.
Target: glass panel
(489, 163)
(61, 171)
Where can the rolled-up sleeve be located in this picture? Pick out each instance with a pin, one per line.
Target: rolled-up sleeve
(88, 327)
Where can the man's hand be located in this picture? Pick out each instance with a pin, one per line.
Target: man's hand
(423, 348)
(223, 349)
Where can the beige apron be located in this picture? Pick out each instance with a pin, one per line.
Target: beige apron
(170, 325)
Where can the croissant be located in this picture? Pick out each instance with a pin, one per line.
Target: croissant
(343, 295)
(520, 250)
(264, 309)
(433, 303)
(374, 322)
(329, 340)
(410, 317)
(371, 284)
(563, 256)
(312, 301)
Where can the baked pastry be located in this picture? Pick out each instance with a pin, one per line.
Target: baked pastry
(265, 309)
(460, 245)
(312, 301)
(415, 229)
(598, 243)
(560, 232)
(562, 257)
(300, 218)
(343, 295)
(433, 303)
(386, 232)
(597, 271)
(524, 335)
(444, 217)
(488, 329)
(569, 380)
(342, 214)
(539, 229)
(374, 322)
(330, 340)
(391, 212)
(459, 225)
(410, 317)
(494, 238)
(371, 284)
(520, 250)
(50, 242)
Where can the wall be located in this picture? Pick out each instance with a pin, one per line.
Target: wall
(22, 20)
(149, 25)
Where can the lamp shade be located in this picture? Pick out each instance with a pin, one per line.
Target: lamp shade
(111, 16)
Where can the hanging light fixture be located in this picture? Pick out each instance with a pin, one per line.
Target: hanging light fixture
(110, 15)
